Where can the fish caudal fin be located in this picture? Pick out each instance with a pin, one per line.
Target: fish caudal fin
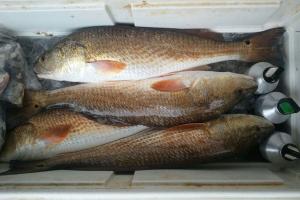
(265, 46)
(33, 102)
(22, 167)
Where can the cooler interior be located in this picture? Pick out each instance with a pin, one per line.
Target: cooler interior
(233, 180)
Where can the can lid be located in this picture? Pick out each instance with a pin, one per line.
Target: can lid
(290, 152)
(272, 74)
(287, 106)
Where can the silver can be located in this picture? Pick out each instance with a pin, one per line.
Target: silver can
(276, 107)
(280, 149)
(266, 76)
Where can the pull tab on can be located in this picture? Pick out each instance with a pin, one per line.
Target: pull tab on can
(272, 74)
(266, 76)
(276, 107)
(290, 152)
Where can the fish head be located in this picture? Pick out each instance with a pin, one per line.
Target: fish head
(64, 59)
(243, 85)
(234, 85)
(246, 131)
(221, 90)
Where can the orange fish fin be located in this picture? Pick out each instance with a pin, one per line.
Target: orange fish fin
(56, 134)
(171, 85)
(186, 127)
(108, 66)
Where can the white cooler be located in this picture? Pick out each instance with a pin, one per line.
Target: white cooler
(245, 180)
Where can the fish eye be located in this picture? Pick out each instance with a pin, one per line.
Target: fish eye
(42, 58)
(247, 42)
(239, 92)
(36, 106)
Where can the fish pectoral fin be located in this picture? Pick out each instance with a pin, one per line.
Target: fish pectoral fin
(56, 134)
(169, 85)
(107, 66)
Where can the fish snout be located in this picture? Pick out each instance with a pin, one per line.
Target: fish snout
(265, 125)
(40, 68)
(44, 72)
(45, 64)
(262, 126)
(247, 86)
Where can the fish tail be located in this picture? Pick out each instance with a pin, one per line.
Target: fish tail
(265, 46)
(22, 167)
(33, 103)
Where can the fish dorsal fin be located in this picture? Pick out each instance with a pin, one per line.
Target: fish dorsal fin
(204, 33)
(107, 66)
(56, 134)
(169, 85)
(185, 127)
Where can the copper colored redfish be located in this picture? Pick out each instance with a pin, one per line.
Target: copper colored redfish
(182, 97)
(175, 147)
(99, 54)
(60, 131)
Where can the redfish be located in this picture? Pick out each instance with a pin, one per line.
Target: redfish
(178, 98)
(99, 54)
(176, 147)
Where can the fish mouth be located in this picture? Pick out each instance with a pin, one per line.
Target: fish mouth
(42, 71)
(43, 75)
(39, 69)
(248, 92)
(250, 88)
(263, 124)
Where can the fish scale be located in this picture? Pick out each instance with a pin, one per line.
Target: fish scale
(154, 143)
